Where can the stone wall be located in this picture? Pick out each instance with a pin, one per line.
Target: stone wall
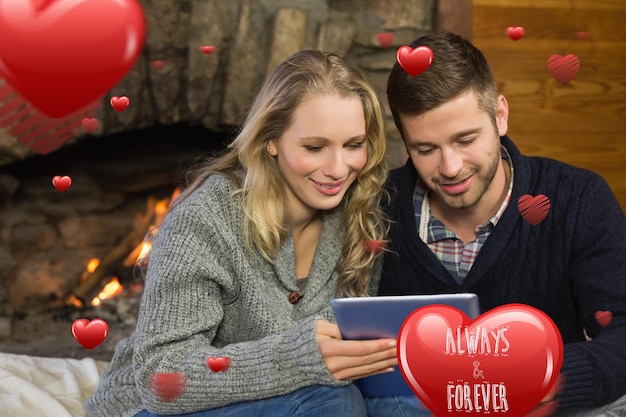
(46, 236)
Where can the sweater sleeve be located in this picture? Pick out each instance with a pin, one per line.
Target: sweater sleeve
(595, 371)
(192, 267)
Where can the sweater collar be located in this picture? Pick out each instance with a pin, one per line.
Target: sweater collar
(327, 254)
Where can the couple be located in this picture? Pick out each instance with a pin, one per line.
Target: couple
(249, 255)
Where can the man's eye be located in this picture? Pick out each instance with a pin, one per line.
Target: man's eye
(466, 142)
(425, 151)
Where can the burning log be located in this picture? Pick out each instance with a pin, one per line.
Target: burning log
(119, 254)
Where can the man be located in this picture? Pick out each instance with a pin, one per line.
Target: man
(457, 226)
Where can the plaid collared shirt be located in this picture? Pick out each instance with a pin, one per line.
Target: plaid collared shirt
(445, 244)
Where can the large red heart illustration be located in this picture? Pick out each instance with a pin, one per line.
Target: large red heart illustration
(61, 55)
(414, 61)
(506, 360)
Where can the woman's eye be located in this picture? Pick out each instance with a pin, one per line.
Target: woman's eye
(310, 148)
(356, 145)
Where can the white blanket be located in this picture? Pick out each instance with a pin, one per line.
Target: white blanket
(32, 386)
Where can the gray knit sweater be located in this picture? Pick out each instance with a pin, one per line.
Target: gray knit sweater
(205, 297)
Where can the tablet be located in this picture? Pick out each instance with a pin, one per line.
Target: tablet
(363, 318)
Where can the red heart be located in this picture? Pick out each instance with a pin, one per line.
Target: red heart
(375, 246)
(61, 55)
(158, 64)
(90, 333)
(120, 103)
(533, 209)
(414, 61)
(506, 360)
(61, 183)
(604, 318)
(563, 68)
(168, 386)
(385, 39)
(207, 49)
(515, 32)
(218, 364)
(90, 124)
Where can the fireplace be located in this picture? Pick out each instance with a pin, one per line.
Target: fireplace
(202, 63)
(73, 254)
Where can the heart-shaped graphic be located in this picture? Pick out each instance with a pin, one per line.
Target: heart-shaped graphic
(604, 318)
(62, 55)
(168, 386)
(120, 103)
(563, 68)
(61, 183)
(218, 364)
(385, 40)
(206, 49)
(158, 64)
(504, 361)
(375, 246)
(414, 61)
(90, 333)
(515, 32)
(90, 124)
(582, 35)
(533, 209)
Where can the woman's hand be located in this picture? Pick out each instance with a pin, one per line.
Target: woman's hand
(353, 359)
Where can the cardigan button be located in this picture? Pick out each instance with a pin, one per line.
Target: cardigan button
(294, 297)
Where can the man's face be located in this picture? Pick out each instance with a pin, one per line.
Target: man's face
(455, 149)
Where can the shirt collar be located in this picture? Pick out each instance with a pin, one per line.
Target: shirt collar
(424, 216)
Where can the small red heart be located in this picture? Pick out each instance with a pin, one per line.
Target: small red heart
(414, 61)
(375, 246)
(90, 124)
(582, 35)
(61, 183)
(206, 49)
(533, 209)
(563, 68)
(168, 386)
(158, 64)
(90, 333)
(120, 103)
(218, 364)
(604, 318)
(385, 39)
(515, 32)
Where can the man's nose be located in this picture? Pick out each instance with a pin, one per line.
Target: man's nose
(451, 163)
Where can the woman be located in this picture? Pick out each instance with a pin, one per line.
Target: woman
(235, 317)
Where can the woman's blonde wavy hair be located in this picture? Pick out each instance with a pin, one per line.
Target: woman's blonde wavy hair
(259, 179)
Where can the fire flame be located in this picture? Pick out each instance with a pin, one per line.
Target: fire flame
(113, 288)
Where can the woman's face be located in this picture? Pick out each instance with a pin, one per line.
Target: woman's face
(321, 153)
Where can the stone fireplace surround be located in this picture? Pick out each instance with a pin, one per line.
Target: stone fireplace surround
(188, 107)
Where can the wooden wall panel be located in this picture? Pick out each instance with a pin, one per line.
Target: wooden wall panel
(584, 122)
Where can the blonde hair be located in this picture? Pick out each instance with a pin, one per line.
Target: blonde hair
(259, 179)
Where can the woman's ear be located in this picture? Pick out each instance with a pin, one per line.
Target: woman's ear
(271, 147)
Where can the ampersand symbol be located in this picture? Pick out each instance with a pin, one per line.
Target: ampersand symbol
(477, 372)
